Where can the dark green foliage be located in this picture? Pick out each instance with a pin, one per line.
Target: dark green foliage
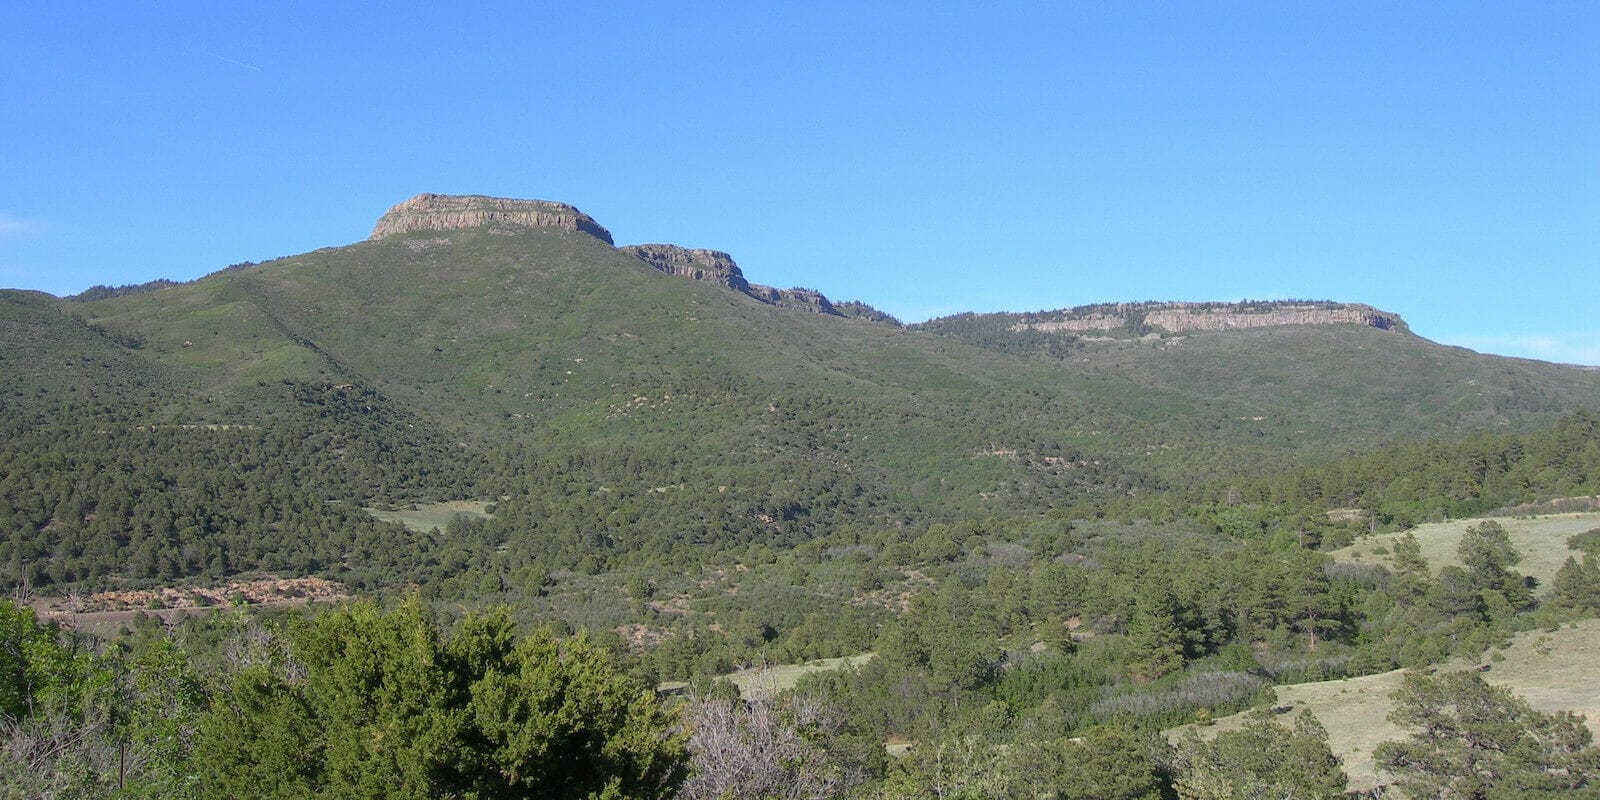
(104, 498)
(1488, 557)
(1111, 762)
(995, 332)
(103, 292)
(1155, 642)
(1588, 542)
(630, 417)
(709, 482)
(1472, 740)
(1577, 585)
(36, 671)
(1408, 483)
(1264, 758)
(1411, 576)
(860, 310)
(943, 634)
(355, 703)
(365, 703)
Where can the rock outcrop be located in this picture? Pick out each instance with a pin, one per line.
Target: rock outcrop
(715, 266)
(1181, 317)
(445, 212)
(803, 299)
(710, 266)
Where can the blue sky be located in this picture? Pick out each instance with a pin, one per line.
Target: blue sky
(1437, 160)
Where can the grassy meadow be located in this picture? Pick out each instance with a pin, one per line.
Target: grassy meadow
(424, 517)
(781, 677)
(778, 677)
(1552, 670)
(1541, 540)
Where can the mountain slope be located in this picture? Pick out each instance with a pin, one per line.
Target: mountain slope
(483, 347)
(1289, 373)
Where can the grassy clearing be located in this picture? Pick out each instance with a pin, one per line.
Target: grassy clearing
(1552, 670)
(777, 677)
(424, 518)
(1541, 540)
(784, 676)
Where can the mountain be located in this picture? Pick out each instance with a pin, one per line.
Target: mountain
(649, 398)
(1297, 369)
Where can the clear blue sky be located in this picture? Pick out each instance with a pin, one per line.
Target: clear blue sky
(1439, 160)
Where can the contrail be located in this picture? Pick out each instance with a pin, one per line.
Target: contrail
(229, 60)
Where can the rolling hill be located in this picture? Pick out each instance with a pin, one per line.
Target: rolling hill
(621, 400)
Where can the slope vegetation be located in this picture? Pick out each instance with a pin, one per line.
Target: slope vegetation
(620, 409)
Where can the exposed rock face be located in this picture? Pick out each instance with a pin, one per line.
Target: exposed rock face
(804, 299)
(715, 266)
(711, 266)
(445, 212)
(1179, 317)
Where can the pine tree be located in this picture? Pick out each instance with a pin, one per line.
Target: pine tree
(1262, 759)
(1412, 577)
(1155, 642)
(374, 704)
(1476, 741)
(1488, 557)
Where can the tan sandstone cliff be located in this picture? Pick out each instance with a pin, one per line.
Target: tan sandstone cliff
(715, 266)
(1180, 317)
(710, 266)
(444, 212)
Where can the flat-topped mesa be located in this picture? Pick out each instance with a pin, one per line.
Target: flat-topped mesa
(1180, 317)
(710, 266)
(447, 212)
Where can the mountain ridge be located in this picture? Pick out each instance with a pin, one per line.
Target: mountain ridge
(621, 408)
(444, 213)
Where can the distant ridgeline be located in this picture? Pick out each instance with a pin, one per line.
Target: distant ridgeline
(1141, 319)
(650, 399)
(437, 212)
(104, 292)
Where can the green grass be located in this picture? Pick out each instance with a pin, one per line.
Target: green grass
(553, 355)
(779, 677)
(1542, 541)
(1552, 670)
(425, 517)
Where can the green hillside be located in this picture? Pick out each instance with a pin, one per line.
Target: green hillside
(619, 410)
(1046, 537)
(1293, 385)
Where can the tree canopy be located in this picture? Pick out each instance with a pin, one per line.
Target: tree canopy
(363, 703)
(1474, 741)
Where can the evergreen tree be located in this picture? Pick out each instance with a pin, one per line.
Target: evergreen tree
(373, 704)
(1488, 557)
(1263, 759)
(1475, 741)
(1110, 762)
(1412, 577)
(1155, 642)
(1577, 585)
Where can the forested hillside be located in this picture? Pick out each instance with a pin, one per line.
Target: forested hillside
(1054, 543)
